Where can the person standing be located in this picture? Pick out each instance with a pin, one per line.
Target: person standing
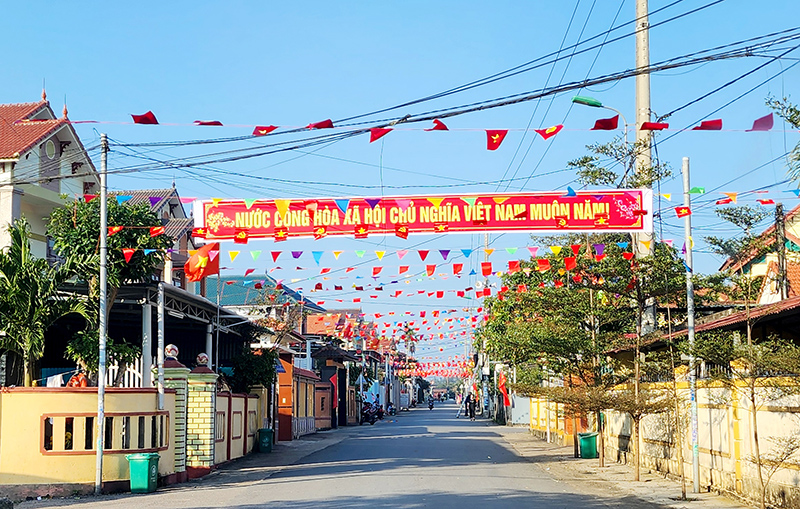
(470, 404)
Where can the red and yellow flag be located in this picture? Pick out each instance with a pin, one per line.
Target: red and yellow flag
(204, 262)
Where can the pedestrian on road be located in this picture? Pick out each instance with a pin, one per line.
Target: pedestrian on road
(470, 403)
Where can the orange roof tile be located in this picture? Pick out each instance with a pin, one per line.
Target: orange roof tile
(19, 132)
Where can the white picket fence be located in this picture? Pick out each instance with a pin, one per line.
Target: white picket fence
(131, 378)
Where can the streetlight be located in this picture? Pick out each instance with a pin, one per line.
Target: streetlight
(594, 103)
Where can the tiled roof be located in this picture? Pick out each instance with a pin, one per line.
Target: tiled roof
(741, 317)
(305, 373)
(18, 132)
(769, 236)
(178, 227)
(144, 195)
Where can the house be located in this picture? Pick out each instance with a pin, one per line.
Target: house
(41, 158)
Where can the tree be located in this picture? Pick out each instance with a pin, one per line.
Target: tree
(791, 114)
(75, 229)
(253, 367)
(742, 286)
(30, 300)
(614, 164)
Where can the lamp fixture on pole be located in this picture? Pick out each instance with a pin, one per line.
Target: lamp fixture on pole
(595, 103)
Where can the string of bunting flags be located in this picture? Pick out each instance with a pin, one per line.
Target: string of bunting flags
(494, 137)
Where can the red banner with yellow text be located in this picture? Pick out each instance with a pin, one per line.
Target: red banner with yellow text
(619, 210)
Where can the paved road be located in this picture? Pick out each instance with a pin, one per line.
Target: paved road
(418, 459)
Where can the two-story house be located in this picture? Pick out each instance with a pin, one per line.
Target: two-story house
(41, 158)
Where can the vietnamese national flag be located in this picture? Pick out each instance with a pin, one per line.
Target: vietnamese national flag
(204, 262)
(606, 124)
(155, 231)
(543, 265)
(263, 130)
(486, 268)
(513, 266)
(324, 124)
(457, 267)
(494, 137)
(501, 385)
(683, 211)
(550, 131)
(570, 263)
(335, 392)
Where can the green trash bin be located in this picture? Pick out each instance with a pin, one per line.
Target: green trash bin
(265, 440)
(588, 444)
(144, 472)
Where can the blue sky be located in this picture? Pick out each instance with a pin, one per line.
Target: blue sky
(293, 63)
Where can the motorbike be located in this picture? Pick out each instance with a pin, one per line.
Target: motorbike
(368, 414)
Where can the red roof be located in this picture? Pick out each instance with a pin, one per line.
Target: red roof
(769, 235)
(19, 131)
(741, 316)
(305, 373)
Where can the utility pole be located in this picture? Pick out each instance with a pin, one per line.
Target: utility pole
(103, 325)
(687, 226)
(780, 241)
(643, 245)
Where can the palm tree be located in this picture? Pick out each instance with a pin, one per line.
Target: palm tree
(30, 301)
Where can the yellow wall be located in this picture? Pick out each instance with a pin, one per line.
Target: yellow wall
(24, 412)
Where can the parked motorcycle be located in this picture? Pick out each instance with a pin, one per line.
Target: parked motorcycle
(369, 413)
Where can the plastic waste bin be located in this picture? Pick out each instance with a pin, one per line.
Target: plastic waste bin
(144, 472)
(588, 444)
(265, 440)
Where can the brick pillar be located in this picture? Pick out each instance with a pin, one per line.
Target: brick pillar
(200, 421)
(176, 377)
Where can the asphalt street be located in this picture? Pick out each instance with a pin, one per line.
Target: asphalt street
(422, 458)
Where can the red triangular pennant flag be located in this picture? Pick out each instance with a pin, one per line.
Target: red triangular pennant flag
(494, 137)
(147, 118)
(457, 267)
(430, 269)
(543, 265)
(709, 125)
(570, 263)
(423, 253)
(127, 252)
(325, 124)
(606, 124)
(654, 126)
(762, 124)
(377, 133)
(438, 125)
